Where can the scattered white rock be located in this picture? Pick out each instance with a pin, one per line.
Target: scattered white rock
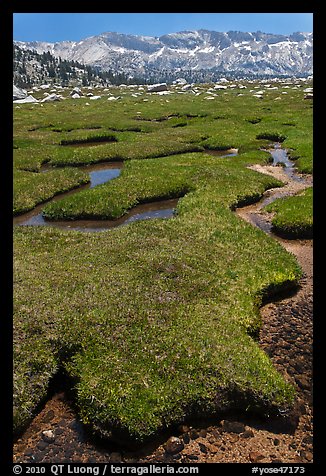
(93, 98)
(75, 96)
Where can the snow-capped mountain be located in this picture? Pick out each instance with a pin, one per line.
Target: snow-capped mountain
(252, 53)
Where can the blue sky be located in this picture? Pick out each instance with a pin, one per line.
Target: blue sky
(76, 26)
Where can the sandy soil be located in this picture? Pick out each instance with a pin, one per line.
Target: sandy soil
(286, 336)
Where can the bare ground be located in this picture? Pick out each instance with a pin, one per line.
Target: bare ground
(286, 336)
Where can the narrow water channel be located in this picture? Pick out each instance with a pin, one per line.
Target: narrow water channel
(101, 173)
(284, 169)
(281, 158)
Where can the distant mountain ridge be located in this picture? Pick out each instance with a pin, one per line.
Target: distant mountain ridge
(255, 53)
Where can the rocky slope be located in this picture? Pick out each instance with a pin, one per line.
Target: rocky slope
(237, 52)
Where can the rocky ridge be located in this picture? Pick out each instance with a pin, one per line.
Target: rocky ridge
(254, 53)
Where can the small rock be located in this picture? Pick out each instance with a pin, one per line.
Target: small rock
(255, 456)
(202, 447)
(192, 457)
(48, 436)
(202, 433)
(194, 434)
(247, 434)
(183, 428)
(233, 426)
(307, 455)
(174, 445)
(185, 438)
(176, 457)
(276, 441)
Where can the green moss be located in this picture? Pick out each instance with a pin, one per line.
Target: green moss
(31, 189)
(293, 215)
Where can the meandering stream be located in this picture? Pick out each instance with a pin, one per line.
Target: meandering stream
(99, 174)
(286, 172)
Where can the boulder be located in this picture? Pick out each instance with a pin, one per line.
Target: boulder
(156, 88)
(18, 93)
(180, 81)
(76, 90)
(232, 426)
(28, 99)
(52, 97)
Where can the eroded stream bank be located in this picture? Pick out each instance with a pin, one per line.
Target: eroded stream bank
(286, 335)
